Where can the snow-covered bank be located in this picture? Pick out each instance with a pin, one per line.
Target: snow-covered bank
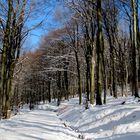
(111, 121)
(71, 121)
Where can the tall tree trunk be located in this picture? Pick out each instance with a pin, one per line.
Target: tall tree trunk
(126, 80)
(59, 85)
(87, 77)
(49, 91)
(99, 55)
(92, 80)
(79, 78)
(135, 48)
(5, 81)
(92, 59)
(104, 72)
(66, 81)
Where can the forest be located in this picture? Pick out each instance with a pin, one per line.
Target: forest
(92, 55)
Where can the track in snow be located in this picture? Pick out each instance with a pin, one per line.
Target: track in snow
(36, 125)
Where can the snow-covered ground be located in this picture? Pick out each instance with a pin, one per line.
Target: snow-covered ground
(42, 124)
(71, 121)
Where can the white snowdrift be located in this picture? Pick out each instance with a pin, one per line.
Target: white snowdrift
(71, 121)
(112, 121)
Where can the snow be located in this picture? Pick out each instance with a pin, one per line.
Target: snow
(111, 121)
(71, 121)
(36, 125)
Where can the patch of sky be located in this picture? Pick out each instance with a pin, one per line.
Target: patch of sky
(42, 21)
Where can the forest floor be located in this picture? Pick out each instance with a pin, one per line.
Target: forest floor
(71, 121)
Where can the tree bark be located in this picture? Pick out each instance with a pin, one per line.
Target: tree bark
(135, 48)
(99, 55)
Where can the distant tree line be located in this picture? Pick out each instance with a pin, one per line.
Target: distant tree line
(93, 55)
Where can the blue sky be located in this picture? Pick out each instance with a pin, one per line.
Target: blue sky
(49, 23)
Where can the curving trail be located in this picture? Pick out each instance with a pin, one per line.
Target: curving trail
(36, 125)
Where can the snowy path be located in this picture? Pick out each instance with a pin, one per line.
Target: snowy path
(36, 125)
(70, 121)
